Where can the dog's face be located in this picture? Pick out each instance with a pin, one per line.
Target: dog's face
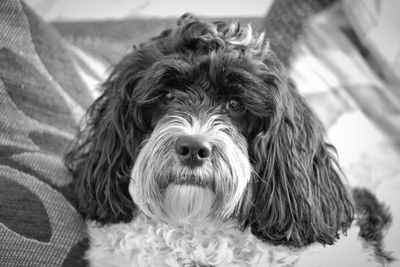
(200, 125)
(194, 165)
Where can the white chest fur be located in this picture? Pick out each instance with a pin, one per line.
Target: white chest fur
(145, 242)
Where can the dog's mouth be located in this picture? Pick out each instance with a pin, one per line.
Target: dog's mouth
(200, 177)
(191, 179)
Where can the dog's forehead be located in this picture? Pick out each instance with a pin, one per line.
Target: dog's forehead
(215, 76)
(207, 69)
(201, 82)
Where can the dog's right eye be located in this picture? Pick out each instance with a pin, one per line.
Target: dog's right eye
(168, 98)
(234, 105)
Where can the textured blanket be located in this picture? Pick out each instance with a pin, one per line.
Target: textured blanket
(40, 107)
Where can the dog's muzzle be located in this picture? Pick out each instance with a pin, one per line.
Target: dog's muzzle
(191, 170)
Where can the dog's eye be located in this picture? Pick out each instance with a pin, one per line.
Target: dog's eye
(234, 105)
(168, 97)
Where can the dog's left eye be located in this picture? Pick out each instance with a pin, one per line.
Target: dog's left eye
(234, 105)
(168, 97)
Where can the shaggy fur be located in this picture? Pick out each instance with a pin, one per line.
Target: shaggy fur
(269, 173)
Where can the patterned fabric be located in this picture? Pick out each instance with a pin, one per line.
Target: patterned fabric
(41, 102)
(360, 110)
(285, 21)
(331, 70)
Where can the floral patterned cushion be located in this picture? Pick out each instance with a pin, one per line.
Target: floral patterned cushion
(41, 102)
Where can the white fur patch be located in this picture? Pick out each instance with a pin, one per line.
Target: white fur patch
(145, 242)
(188, 205)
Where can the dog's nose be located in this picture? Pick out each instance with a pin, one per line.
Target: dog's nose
(192, 150)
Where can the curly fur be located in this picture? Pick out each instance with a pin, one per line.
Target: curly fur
(277, 177)
(291, 153)
(145, 242)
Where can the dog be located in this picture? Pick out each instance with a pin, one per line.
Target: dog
(201, 152)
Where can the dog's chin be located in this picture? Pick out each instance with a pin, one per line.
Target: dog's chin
(188, 205)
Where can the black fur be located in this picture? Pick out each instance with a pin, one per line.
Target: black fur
(373, 218)
(299, 196)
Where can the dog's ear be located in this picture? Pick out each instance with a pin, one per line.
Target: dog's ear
(297, 193)
(107, 146)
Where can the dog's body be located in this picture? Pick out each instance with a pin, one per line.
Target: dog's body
(145, 242)
(201, 152)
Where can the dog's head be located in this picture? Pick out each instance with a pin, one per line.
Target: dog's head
(201, 124)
